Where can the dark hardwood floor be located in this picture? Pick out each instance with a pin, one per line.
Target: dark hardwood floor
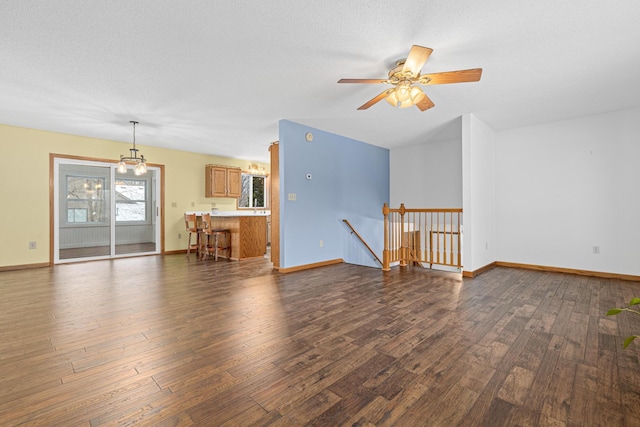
(167, 341)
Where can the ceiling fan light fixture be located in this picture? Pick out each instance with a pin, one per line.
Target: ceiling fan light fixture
(405, 77)
(416, 94)
(392, 99)
(405, 96)
(403, 91)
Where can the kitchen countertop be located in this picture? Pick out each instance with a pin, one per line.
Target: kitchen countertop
(248, 212)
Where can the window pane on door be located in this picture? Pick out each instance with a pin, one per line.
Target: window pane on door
(85, 200)
(75, 215)
(131, 200)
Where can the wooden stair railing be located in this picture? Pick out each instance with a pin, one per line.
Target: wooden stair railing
(422, 236)
(353, 231)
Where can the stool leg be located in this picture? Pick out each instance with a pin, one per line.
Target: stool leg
(203, 247)
(197, 245)
(199, 250)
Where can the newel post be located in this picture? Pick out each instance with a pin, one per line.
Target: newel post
(404, 243)
(385, 250)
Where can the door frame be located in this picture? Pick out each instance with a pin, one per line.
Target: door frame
(52, 214)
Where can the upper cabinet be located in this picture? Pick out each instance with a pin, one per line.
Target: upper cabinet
(234, 179)
(222, 181)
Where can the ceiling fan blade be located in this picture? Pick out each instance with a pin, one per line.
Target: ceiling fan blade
(375, 100)
(425, 103)
(418, 55)
(460, 76)
(362, 81)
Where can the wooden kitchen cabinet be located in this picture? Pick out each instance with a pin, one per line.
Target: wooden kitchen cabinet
(222, 181)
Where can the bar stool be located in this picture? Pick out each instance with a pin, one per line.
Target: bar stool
(214, 240)
(191, 225)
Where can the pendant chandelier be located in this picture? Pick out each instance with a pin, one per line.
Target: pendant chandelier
(140, 162)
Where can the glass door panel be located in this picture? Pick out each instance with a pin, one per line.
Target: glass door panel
(83, 211)
(135, 213)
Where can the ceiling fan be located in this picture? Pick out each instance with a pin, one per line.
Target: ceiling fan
(406, 76)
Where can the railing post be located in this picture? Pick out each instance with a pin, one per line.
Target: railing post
(385, 250)
(403, 238)
(459, 241)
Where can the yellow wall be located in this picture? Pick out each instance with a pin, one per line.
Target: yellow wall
(24, 187)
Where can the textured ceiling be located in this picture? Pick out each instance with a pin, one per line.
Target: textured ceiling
(216, 76)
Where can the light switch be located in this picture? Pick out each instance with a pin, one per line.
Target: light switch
(292, 196)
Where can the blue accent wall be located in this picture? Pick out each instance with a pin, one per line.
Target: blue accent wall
(349, 180)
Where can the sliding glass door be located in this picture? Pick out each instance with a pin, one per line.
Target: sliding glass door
(100, 213)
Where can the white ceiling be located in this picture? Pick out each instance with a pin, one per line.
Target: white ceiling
(215, 77)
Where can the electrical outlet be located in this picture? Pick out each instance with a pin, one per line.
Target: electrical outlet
(596, 250)
(32, 245)
(174, 204)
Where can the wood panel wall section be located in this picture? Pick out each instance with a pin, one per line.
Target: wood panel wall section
(232, 224)
(253, 236)
(274, 195)
(248, 234)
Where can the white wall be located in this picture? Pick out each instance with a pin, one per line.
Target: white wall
(427, 175)
(564, 187)
(479, 206)
(453, 173)
(541, 195)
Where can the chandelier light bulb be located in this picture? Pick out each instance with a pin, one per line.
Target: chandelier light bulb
(122, 167)
(140, 169)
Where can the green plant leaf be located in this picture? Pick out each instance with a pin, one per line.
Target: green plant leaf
(613, 311)
(629, 340)
(634, 301)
